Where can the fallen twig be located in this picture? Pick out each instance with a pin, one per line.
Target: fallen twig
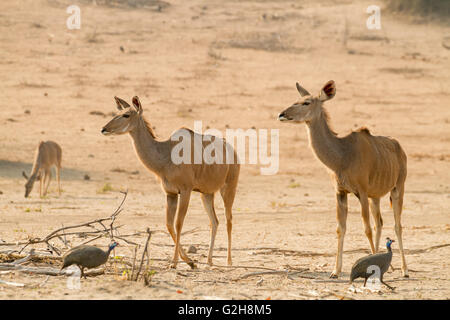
(47, 270)
(143, 254)
(25, 259)
(259, 273)
(14, 284)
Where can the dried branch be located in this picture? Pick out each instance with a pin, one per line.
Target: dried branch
(48, 271)
(143, 253)
(61, 231)
(283, 272)
(134, 262)
(14, 284)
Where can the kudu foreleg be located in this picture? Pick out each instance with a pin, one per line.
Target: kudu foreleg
(171, 210)
(341, 206)
(181, 214)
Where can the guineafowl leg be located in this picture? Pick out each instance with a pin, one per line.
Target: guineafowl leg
(397, 203)
(364, 200)
(376, 214)
(341, 206)
(381, 280)
(365, 281)
(171, 210)
(181, 214)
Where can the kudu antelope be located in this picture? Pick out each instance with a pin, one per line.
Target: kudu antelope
(47, 155)
(179, 180)
(365, 165)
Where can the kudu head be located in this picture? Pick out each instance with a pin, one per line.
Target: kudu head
(127, 119)
(309, 107)
(29, 184)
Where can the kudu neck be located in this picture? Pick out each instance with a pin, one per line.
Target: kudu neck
(150, 151)
(324, 142)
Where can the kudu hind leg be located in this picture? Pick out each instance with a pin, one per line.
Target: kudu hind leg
(208, 204)
(364, 200)
(228, 193)
(376, 214)
(58, 179)
(397, 204)
(41, 184)
(48, 177)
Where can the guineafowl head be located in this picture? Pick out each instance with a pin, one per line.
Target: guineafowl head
(389, 242)
(113, 245)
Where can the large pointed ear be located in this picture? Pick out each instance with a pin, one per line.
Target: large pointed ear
(328, 91)
(137, 104)
(303, 92)
(121, 104)
(24, 175)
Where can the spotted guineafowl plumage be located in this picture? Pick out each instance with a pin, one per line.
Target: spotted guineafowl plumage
(364, 267)
(87, 257)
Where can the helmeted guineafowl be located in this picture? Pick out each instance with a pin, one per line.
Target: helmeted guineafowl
(87, 257)
(362, 267)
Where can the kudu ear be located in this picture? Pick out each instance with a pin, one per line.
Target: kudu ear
(328, 91)
(137, 104)
(121, 104)
(24, 175)
(303, 92)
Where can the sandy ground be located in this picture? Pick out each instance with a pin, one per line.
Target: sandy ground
(235, 64)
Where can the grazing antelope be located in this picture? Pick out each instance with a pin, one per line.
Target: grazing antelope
(365, 165)
(47, 154)
(179, 180)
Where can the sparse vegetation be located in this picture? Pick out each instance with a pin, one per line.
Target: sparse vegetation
(294, 185)
(420, 7)
(106, 188)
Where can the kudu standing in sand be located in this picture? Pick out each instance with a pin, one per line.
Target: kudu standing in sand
(179, 180)
(47, 155)
(365, 165)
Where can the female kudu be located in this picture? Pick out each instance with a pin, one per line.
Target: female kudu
(365, 165)
(47, 154)
(179, 180)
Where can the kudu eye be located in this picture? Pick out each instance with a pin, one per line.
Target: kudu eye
(126, 115)
(306, 103)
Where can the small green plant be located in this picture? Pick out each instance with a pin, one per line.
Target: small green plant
(148, 276)
(294, 185)
(106, 188)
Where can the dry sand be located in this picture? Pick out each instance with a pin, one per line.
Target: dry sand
(227, 63)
